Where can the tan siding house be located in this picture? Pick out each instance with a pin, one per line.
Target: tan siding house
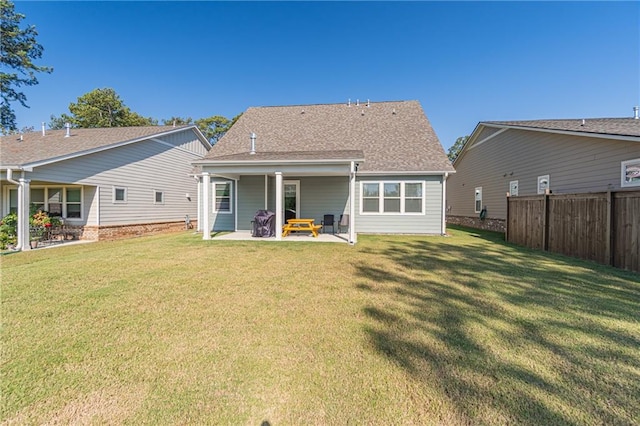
(106, 182)
(527, 157)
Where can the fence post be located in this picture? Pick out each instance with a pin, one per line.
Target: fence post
(545, 222)
(506, 228)
(609, 235)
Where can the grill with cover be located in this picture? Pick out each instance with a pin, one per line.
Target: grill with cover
(264, 224)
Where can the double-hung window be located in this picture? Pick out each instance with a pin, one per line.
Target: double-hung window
(57, 201)
(392, 197)
(222, 201)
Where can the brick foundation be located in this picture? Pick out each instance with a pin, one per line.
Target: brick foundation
(115, 232)
(497, 225)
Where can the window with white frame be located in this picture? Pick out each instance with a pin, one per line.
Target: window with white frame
(57, 201)
(119, 194)
(478, 199)
(392, 197)
(543, 184)
(158, 197)
(630, 173)
(222, 201)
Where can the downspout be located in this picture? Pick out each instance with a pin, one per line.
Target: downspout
(22, 230)
(444, 203)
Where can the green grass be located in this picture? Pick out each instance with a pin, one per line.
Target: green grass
(396, 330)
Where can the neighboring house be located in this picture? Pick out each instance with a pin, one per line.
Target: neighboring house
(530, 157)
(104, 182)
(380, 163)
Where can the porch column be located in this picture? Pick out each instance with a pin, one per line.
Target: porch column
(444, 202)
(24, 195)
(206, 188)
(352, 204)
(278, 206)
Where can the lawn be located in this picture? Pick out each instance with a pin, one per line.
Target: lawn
(397, 330)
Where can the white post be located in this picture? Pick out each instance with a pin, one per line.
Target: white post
(235, 204)
(24, 195)
(352, 204)
(206, 205)
(199, 223)
(278, 206)
(266, 192)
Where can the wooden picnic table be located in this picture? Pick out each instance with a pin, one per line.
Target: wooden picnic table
(301, 225)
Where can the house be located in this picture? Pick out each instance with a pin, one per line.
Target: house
(380, 163)
(104, 182)
(530, 157)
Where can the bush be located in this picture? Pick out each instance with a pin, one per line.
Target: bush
(8, 230)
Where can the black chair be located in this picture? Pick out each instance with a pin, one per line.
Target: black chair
(328, 221)
(344, 222)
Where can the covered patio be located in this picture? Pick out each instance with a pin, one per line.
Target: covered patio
(293, 237)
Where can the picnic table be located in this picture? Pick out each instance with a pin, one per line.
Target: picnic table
(300, 225)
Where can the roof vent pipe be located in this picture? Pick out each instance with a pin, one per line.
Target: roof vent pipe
(253, 144)
(68, 127)
(367, 103)
(43, 132)
(357, 102)
(636, 109)
(349, 102)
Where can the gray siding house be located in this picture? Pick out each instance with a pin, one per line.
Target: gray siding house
(380, 163)
(530, 157)
(105, 182)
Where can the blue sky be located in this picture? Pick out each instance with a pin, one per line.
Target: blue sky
(464, 61)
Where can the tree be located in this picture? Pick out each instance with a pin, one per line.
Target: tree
(18, 49)
(213, 128)
(177, 121)
(101, 108)
(455, 149)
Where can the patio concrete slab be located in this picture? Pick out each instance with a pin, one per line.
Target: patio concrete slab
(305, 237)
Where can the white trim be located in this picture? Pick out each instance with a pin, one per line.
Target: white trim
(297, 184)
(155, 197)
(566, 132)
(623, 173)
(279, 199)
(402, 173)
(206, 189)
(214, 163)
(444, 204)
(113, 195)
(541, 180)
(235, 202)
(214, 196)
(266, 192)
(477, 191)
(402, 198)
(514, 184)
(487, 139)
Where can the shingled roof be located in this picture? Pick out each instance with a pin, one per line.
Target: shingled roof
(601, 126)
(34, 148)
(392, 136)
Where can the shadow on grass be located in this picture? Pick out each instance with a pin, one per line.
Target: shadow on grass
(506, 334)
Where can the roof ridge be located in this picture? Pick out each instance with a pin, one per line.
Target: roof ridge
(361, 102)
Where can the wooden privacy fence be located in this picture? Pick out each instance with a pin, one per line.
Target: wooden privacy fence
(603, 227)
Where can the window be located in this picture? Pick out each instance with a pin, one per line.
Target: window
(478, 200)
(222, 202)
(158, 197)
(58, 201)
(119, 195)
(630, 173)
(74, 203)
(392, 197)
(543, 184)
(513, 188)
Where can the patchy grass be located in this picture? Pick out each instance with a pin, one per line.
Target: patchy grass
(396, 330)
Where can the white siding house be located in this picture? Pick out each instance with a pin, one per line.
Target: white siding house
(105, 182)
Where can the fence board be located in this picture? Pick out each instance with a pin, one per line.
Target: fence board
(603, 227)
